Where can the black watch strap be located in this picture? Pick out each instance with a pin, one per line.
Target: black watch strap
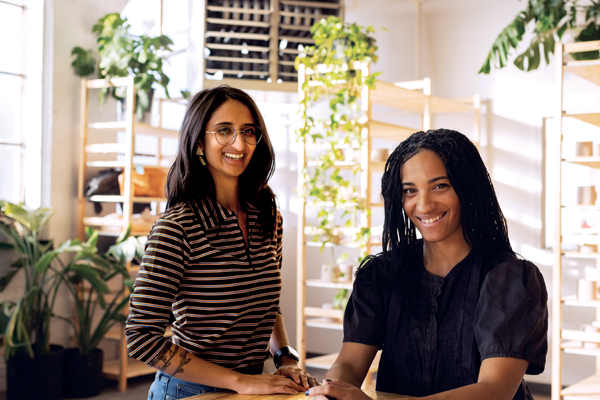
(285, 351)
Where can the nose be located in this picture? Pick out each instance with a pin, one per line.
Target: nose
(239, 143)
(425, 203)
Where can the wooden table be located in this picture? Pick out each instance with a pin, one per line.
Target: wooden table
(300, 396)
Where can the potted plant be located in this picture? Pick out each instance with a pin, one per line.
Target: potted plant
(551, 18)
(122, 54)
(339, 63)
(25, 323)
(87, 277)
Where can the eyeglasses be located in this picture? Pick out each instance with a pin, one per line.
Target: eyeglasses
(226, 135)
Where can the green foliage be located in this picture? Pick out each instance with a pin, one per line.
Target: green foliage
(338, 63)
(122, 54)
(86, 277)
(549, 20)
(25, 324)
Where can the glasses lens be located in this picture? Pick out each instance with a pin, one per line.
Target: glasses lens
(252, 135)
(224, 135)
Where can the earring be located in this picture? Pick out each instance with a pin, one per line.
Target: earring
(200, 155)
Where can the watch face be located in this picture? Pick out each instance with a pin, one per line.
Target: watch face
(293, 351)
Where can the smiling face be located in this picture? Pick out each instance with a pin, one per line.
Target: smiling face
(228, 162)
(430, 200)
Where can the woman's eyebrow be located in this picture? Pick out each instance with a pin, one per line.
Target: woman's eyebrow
(439, 178)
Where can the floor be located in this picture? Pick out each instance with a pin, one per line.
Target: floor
(137, 389)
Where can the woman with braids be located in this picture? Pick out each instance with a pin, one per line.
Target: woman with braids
(213, 262)
(457, 313)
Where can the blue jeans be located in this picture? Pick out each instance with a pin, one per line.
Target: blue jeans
(165, 387)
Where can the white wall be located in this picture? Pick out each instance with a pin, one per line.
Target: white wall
(455, 38)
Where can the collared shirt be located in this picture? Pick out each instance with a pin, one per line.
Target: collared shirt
(485, 307)
(224, 297)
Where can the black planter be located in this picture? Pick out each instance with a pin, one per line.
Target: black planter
(83, 373)
(40, 377)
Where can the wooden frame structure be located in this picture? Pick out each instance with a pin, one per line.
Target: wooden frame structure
(570, 340)
(95, 154)
(412, 97)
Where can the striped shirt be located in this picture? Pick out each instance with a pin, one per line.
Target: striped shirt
(224, 297)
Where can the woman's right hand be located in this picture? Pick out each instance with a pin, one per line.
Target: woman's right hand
(338, 390)
(267, 384)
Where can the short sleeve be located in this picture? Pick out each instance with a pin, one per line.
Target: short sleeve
(366, 313)
(511, 319)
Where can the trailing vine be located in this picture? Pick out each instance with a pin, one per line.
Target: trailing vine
(337, 73)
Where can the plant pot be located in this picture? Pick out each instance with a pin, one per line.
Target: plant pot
(40, 377)
(83, 373)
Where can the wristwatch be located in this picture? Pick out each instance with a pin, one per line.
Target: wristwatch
(285, 351)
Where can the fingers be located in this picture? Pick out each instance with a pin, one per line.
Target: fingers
(337, 382)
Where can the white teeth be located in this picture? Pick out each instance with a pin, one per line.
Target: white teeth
(431, 220)
(234, 156)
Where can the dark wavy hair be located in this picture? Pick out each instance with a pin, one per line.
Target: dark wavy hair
(483, 223)
(189, 180)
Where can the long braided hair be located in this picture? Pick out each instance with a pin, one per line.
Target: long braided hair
(484, 225)
(188, 179)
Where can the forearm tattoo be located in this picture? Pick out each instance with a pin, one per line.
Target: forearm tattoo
(167, 360)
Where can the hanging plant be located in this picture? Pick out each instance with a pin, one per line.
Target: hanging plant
(338, 72)
(550, 20)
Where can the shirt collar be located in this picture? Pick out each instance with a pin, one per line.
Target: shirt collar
(210, 213)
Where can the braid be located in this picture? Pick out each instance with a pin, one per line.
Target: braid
(484, 225)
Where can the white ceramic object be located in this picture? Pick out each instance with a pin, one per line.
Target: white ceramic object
(589, 328)
(586, 195)
(584, 149)
(379, 155)
(326, 273)
(586, 290)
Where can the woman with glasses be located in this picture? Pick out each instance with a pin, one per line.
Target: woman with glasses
(458, 314)
(212, 262)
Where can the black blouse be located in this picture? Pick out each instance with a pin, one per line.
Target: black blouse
(485, 307)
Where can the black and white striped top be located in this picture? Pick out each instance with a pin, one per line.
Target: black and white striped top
(224, 298)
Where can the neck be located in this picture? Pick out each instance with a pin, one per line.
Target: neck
(440, 258)
(228, 194)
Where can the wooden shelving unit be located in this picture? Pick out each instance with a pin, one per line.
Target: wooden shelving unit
(568, 340)
(254, 43)
(408, 98)
(104, 147)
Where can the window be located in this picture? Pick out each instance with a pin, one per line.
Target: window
(21, 23)
(11, 98)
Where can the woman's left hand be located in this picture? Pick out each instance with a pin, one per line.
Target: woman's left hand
(338, 390)
(298, 375)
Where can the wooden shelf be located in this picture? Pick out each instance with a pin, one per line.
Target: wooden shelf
(590, 118)
(570, 334)
(588, 386)
(588, 70)
(575, 347)
(325, 324)
(139, 127)
(135, 368)
(335, 314)
(383, 130)
(573, 301)
(577, 254)
(119, 199)
(329, 285)
(593, 162)
(414, 101)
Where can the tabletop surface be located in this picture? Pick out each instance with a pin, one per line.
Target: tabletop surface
(300, 396)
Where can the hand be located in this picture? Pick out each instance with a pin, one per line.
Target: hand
(338, 390)
(267, 384)
(298, 375)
